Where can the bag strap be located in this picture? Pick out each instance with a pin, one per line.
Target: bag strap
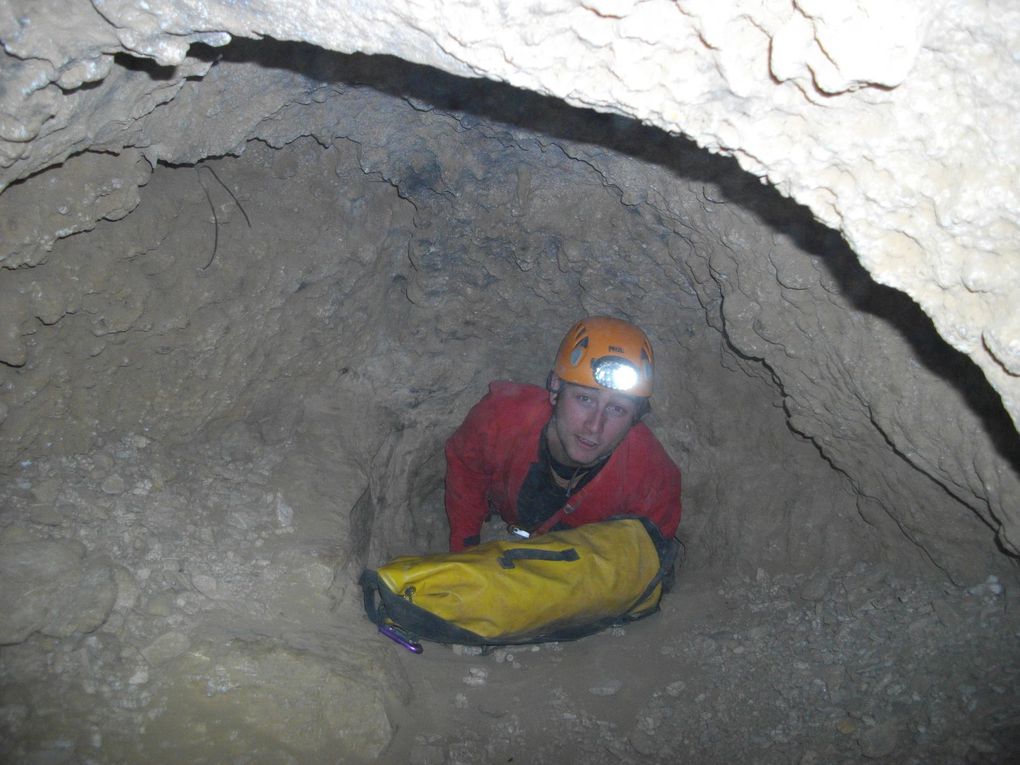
(369, 582)
(552, 520)
(508, 557)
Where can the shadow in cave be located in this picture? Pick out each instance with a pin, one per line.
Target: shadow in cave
(499, 102)
(155, 71)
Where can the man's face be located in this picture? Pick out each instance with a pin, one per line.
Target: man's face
(588, 423)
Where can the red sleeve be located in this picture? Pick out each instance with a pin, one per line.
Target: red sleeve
(660, 500)
(468, 475)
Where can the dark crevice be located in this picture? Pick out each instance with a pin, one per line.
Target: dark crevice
(152, 68)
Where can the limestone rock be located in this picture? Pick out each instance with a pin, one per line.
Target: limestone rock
(167, 646)
(88, 188)
(50, 587)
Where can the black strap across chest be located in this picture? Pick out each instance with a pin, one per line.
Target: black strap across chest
(541, 495)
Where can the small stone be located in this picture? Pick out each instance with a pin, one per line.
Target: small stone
(46, 492)
(49, 587)
(102, 461)
(846, 726)
(137, 441)
(160, 604)
(166, 647)
(879, 741)
(318, 575)
(204, 584)
(284, 512)
(676, 688)
(607, 688)
(84, 605)
(644, 743)
(476, 676)
(113, 484)
(815, 589)
(142, 488)
(127, 588)
(46, 515)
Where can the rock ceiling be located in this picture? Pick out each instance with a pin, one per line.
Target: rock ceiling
(893, 121)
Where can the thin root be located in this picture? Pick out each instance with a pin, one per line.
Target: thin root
(216, 220)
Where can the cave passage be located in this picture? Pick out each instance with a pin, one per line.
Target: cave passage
(227, 401)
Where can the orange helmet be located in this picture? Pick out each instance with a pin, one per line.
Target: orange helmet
(603, 352)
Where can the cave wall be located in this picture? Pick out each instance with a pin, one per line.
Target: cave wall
(363, 287)
(904, 150)
(393, 267)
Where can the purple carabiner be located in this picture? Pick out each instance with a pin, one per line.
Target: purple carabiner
(398, 637)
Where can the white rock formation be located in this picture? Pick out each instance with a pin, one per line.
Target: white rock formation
(892, 120)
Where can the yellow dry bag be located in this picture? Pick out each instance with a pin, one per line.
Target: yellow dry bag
(558, 586)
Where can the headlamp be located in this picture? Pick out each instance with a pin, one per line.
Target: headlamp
(615, 373)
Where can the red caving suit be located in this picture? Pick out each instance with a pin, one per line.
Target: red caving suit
(490, 454)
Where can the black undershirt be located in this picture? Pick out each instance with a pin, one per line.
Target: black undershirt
(540, 496)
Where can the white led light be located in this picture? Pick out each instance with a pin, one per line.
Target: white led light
(615, 373)
(624, 378)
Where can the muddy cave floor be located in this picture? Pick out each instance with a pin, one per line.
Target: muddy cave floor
(810, 667)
